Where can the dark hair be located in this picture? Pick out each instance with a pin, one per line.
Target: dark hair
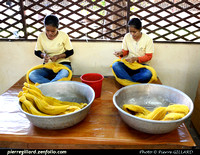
(51, 20)
(135, 22)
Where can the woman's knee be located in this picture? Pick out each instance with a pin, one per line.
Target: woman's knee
(146, 75)
(117, 65)
(63, 73)
(33, 75)
(143, 76)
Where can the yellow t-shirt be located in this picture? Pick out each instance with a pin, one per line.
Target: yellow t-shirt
(137, 49)
(54, 47)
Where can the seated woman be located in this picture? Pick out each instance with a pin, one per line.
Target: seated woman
(136, 47)
(55, 46)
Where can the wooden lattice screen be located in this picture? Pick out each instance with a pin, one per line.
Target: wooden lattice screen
(163, 20)
(169, 20)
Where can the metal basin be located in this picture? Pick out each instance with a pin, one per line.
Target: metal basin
(65, 91)
(150, 96)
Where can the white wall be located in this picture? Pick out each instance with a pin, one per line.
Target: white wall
(177, 65)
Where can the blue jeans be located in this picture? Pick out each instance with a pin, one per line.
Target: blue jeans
(45, 75)
(142, 75)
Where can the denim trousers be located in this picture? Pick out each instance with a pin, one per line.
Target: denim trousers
(142, 75)
(45, 75)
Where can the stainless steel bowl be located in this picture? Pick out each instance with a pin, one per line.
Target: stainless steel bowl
(150, 96)
(65, 91)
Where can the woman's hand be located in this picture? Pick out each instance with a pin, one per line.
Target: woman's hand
(45, 57)
(132, 59)
(118, 53)
(54, 58)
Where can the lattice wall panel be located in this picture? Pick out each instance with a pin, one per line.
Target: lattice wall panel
(11, 25)
(163, 20)
(80, 19)
(169, 20)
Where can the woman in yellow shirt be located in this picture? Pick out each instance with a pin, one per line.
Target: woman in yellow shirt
(52, 46)
(136, 46)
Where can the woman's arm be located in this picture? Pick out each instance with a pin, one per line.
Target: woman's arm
(42, 56)
(66, 54)
(142, 59)
(145, 58)
(39, 54)
(121, 53)
(69, 53)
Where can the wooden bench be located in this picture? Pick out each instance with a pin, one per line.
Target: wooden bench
(101, 129)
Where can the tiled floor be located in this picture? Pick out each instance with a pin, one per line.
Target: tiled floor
(193, 132)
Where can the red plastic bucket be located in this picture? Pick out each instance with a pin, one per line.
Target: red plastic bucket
(94, 80)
